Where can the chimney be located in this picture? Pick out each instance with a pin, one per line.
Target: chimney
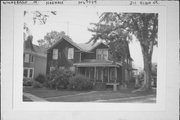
(28, 43)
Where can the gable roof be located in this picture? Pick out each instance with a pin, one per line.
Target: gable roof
(68, 40)
(90, 46)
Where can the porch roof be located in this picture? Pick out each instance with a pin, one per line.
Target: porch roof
(98, 64)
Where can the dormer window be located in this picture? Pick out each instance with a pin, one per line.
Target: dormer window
(102, 54)
(55, 54)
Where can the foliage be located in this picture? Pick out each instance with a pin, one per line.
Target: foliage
(40, 78)
(58, 79)
(37, 84)
(27, 82)
(38, 17)
(80, 82)
(114, 27)
(51, 37)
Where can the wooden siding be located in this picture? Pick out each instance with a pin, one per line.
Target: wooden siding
(92, 54)
(39, 65)
(62, 55)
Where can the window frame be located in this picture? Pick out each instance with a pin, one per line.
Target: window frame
(68, 56)
(31, 58)
(28, 72)
(100, 53)
(26, 60)
(55, 54)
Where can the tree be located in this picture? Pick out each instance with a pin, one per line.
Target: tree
(37, 17)
(50, 38)
(122, 27)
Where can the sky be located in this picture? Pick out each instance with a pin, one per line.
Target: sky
(75, 23)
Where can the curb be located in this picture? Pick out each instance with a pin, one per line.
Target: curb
(34, 98)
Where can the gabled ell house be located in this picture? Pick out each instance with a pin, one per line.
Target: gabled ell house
(34, 59)
(92, 61)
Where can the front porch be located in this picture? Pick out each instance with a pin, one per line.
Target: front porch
(101, 72)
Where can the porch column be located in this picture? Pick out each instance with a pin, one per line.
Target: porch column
(95, 74)
(80, 57)
(102, 76)
(115, 74)
(108, 74)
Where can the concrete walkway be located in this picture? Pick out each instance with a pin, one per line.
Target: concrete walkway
(131, 99)
(34, 98)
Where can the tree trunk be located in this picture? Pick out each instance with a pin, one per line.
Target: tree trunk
(147, 73)
(146, 86)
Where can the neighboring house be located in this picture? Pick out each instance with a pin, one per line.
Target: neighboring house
(93, 61)
(34, 59)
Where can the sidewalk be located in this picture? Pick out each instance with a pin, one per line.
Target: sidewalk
(34, 98)
(131, 99)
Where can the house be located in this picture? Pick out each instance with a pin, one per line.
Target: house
(93, 61)
(34, 59)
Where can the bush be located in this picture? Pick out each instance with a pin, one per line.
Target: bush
(40, 78)
(58, 79)
(80, 82)
(27, 82)
(37, 84)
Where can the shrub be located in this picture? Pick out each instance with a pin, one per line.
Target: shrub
(37, 84)
(58, 79)
(80, 82)
(27, 82)
(40, 78)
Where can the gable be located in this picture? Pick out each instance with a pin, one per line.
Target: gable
(99, 46)
(68, 40)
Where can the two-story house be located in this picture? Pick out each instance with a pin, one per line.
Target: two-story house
(34, 59)
(93, 61)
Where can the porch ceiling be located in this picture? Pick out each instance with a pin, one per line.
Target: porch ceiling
(96, 64)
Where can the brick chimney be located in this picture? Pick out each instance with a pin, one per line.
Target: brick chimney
(28, 43)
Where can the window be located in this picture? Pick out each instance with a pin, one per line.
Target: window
(52, 69)
(28, 72)
(61, 67)
(71, 53)
(31, 58)
(102, 54)
(72, 68)
(26, 58)
(55, 54)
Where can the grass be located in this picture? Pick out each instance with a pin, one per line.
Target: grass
(99, 95)
(63, 95)
(26, 98)
(46, 92)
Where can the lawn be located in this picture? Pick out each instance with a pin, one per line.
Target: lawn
(82, 96)
(46, 92)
